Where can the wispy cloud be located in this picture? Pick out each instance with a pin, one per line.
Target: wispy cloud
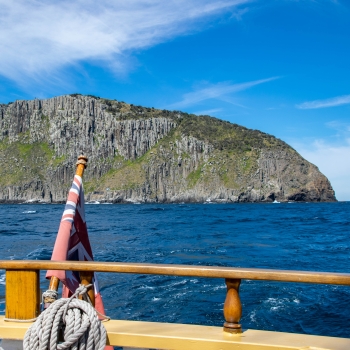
(208, 111)
(38, 38)
(341, 127)
(329, 102)
(219, 91)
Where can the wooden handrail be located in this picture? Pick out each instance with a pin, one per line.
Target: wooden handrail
(232, 276)
(182, 270)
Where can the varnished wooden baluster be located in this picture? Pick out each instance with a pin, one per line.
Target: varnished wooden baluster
(232, 307)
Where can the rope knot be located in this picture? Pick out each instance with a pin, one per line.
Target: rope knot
(82, 289)
(49, 297)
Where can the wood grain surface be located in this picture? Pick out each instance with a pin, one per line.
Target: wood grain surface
(182, 270)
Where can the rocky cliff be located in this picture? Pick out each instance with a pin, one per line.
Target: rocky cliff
(139, 154)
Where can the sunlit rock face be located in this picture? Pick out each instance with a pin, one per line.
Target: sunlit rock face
(139, 154)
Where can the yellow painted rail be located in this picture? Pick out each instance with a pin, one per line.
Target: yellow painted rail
(155, 335)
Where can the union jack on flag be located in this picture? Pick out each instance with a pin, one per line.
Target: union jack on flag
(72, 243)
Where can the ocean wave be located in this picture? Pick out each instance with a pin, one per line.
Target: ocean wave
(2, 279)
(179, 295)
(146, 287)
(152, 209)
(40, 254)
(276, 304)
(174, 284)
(220, 287)
(29, 212)
(252, 316)
(250, 219)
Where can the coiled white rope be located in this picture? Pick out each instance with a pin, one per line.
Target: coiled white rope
(78, 321)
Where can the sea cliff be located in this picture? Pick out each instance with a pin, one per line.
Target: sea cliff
(139, 154)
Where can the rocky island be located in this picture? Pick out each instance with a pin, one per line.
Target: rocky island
(139, 154)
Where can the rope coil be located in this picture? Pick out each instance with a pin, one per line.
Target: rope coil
(76, 319)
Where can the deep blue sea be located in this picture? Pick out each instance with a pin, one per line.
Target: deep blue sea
(292, 236)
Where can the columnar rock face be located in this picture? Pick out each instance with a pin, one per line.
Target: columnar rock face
(83, 123)
(139, 154)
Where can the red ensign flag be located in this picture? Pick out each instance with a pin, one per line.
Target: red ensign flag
(72, 243)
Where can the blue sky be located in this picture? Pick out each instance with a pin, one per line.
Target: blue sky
(278, 66)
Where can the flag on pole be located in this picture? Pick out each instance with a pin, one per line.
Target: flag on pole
(72, 243)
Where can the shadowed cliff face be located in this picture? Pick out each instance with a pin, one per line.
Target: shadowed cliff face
(140, 154)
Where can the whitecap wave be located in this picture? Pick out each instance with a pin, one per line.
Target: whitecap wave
(2, 279)
(177, 283)
(252, 316)
(40, 254)
(277, 304)
(219, 287)
(179, 295)
(29, 212)
(146, 287)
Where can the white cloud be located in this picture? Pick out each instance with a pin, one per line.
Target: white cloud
(38, 38)
(333, 161)
(216, 91)
(329, 102)
(341, 127)
(208, 111)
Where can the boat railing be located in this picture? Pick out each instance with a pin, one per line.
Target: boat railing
(23, 302)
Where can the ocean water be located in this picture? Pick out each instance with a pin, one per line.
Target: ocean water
(292, 236)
